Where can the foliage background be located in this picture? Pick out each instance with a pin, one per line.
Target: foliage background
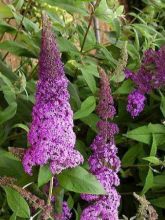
(140, 142)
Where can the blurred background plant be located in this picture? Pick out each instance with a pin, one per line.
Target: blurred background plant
(112, 34)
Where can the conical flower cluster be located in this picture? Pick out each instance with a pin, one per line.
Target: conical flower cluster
(136, 103)
(151, 75)
(51, 133)
(104, 163)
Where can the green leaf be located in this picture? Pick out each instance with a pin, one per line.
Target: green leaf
(138, 17)
(44, 175)
(130, 156)
(5, 11)
(9, 165)
(80, 181)
(148, 182)
(74, 96)
(162, 105)
(159, 181)
(7, 28)
(91, 120)
(144, 134)
(29, 25)
(68, 5)
(7, 82)
(153, 160)
(153, 147)
(17, 203)
(119, 11)
(9, 94)
(13, 217)
(8, 89)
(106, 54)
(18, 4)
(141, 134)
(137, 44)
(87, 107)
(104, 12)
(159, 202)
(66, 45)
(126, 87)
(132, 51)
(146, 30)
(77, 215)
(81, 147)
(7, 71)
(119, 77)
(3, 133)
(17, 48)
(70, 201)
(79, 210)
(24, 127)
(8, 113)
(89, 78)
(90, 67)
(158, 130)
(117, 27)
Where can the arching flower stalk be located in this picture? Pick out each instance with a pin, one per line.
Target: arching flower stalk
(65, 212)
(51, 133)
(104, 163)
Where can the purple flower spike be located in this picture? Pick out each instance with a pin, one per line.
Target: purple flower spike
(150, 76)
(51, 133)
(136, 103)
(103, 209)
(105, 108)
(104, 163)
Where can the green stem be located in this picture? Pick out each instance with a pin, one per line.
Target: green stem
(86, 33)
(90, 22)
(50, 191)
